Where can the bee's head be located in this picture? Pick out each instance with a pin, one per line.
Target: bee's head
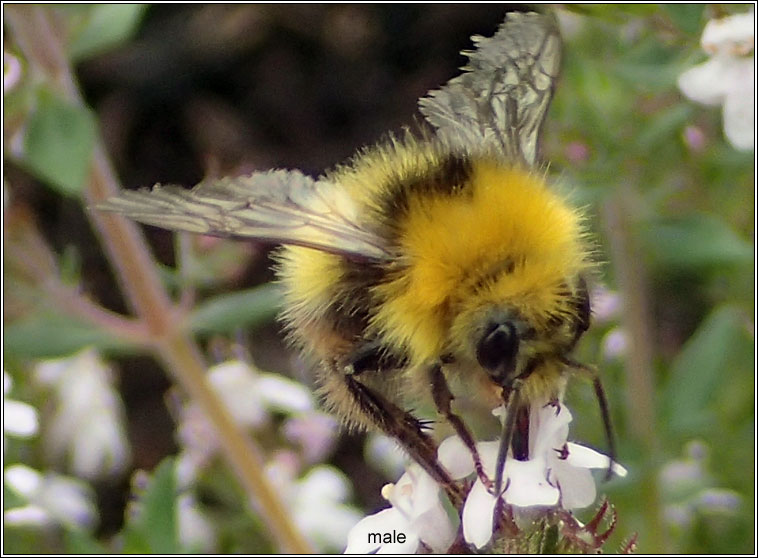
(508, 339)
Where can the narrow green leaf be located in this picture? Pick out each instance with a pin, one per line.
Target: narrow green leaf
(52, 335)
(695, 241)
(59, 141)
(11, 498)
(107, 26)
(227, 312)
(719, 351)
(157, 520)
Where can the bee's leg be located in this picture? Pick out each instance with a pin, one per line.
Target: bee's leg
(442, 399)
(406, 430)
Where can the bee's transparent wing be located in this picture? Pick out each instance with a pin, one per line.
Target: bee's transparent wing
(500, 100)
(282, 206)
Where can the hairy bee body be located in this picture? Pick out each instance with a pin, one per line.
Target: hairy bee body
(473, 238)
(440, 268)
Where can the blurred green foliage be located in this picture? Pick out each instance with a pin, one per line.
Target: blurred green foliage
(689, 211)
(617, 133)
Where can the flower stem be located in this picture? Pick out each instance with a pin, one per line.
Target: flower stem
(630, 273)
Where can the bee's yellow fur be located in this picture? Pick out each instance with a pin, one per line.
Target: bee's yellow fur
(452, 250)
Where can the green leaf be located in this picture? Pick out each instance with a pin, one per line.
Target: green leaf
(695, 241)
(11, 498)
(227, 312)
(78, 542)
(47, 335)
(687, 17)
(663, 128)
(154, 528)
(716, 354)
(59, 141)
(107, 26)
(158, 517)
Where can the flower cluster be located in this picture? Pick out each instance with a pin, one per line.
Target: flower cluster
(315, 495)
(555, 476)
(87, 425)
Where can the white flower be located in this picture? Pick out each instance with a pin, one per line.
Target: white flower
(51, 499)
(556, 473)
(416, 516)
(88, 419)
(12, 71)
(315, 432)
(250, 396)
(195, 530)
(317, 501)
(319, 507)
(615, 343)
(19, 419)
(728, 77)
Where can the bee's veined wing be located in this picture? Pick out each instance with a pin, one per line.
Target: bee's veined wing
(500, 100)
(282, 206)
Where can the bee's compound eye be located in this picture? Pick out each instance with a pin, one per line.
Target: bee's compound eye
(497, 350)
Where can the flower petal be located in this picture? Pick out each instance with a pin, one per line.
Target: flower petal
(576, 485)
(528, 484)
(548, 428)
(455, 457)
(20, 419)
(477, 515)
(728, 34)
(739, 110)
(706, 82)
(582, 456)
(434, 528)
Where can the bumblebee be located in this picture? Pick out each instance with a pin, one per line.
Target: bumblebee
(441, 264)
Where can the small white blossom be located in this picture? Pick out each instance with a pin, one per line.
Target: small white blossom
(615, 343)
(315, 432)
(19, 419)
(250, 396)
(417, 513)
(728, 77)
(317, 501)
(236, 384)
(557, 472)
(606, 305)
(687, 491)
(88, 419)
(195, 531)
(51, 499)
(12, 71)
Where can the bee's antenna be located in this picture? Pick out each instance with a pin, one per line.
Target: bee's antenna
(604, 412)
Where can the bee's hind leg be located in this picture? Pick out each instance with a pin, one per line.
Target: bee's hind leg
(363, 406)
(407, 430)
